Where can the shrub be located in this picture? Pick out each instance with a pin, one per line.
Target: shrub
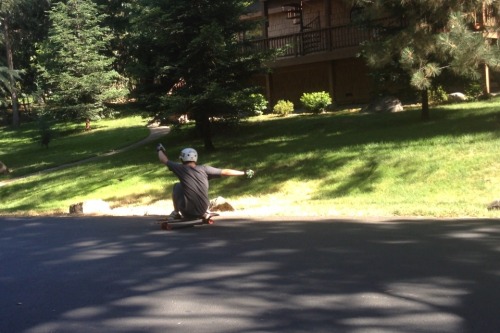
(316, 101)
(259, 104)
(474, 91)
(45, 131)
(283, 107)
(438, 95)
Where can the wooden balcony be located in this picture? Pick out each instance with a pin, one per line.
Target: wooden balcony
(314, 41)
(337, 38)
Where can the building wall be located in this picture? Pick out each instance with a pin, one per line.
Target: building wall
(352, 82)
(340, 73)
(341, 13)
(280, 25)
(336, 70)
(290, 83)
(346, 80)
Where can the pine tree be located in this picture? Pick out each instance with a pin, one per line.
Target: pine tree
(73, 63)
(424, 38)
(7, 9)
(6, 76)
(21, 27)
(193, 46)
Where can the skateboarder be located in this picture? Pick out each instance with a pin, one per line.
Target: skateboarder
(190, 195)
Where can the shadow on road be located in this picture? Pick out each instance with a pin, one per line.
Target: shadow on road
(106, 274)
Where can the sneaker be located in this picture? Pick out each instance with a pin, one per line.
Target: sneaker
(206, 216)
(174, 216)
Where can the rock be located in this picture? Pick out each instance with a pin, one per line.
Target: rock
(457, 97)
(76, 208)
(3, 168)
(96, 206)
(384, 104)
(494, 205)
(220, 204)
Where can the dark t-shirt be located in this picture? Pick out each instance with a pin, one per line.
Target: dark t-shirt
(194, 181)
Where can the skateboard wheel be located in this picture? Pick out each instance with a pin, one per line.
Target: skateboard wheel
(166, 226)
(210, 221)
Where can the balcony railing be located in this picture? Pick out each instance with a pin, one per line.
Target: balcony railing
(334, 38)
(314, 41)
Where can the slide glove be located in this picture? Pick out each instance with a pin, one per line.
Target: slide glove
(249, 173)
(160, 147)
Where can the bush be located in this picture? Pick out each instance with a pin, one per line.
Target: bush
(316, 101)
(438, 95)
(45, 131)
(283, 108)
(259, 104)
(474, 91)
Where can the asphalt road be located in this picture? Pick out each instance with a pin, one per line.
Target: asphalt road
(123, 274)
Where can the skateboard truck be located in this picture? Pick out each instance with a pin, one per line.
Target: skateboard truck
(187, 222)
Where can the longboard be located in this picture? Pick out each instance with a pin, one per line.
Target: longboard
(186, 222)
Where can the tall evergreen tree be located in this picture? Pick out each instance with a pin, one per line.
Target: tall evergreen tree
(22, 25)
(117, 14)
(7, 10)
(6, 76)
(194, 46)
(73, 62)
(30, 27)
(423, 38)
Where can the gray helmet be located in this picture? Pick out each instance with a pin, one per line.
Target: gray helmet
(188, 155)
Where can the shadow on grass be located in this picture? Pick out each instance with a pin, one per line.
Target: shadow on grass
(67, 149)
(278, 150)
(362, 179)
(296, 146)
(109, 176)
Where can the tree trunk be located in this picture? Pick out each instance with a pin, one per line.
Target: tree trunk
(204, 129)
(425, 105)
(10, 65)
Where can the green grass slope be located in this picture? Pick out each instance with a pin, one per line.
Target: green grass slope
(342, 163)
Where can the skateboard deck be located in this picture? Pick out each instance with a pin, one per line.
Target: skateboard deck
(185, 222)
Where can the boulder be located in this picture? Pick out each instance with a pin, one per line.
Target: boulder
(457, 97)
(96, 206)
(494, 205)
(220, 204)
(384, 104)
(3, 168)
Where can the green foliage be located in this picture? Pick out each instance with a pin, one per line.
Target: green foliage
(246, 102)
(173, 105)
(259, 104)
(373, 174)
(283, 107)
(73, 64)
(28, 21)
(5, 76)
(433, 37)
(316, 102)
(45, 131)
(474, 91)
(190, 50)
(249, 103)
(438, 95)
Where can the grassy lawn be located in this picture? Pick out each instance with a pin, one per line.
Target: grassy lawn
(342, 163)
(21, 149)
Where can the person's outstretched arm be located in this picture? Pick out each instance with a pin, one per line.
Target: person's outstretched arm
(231, 172)
(162, 156)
